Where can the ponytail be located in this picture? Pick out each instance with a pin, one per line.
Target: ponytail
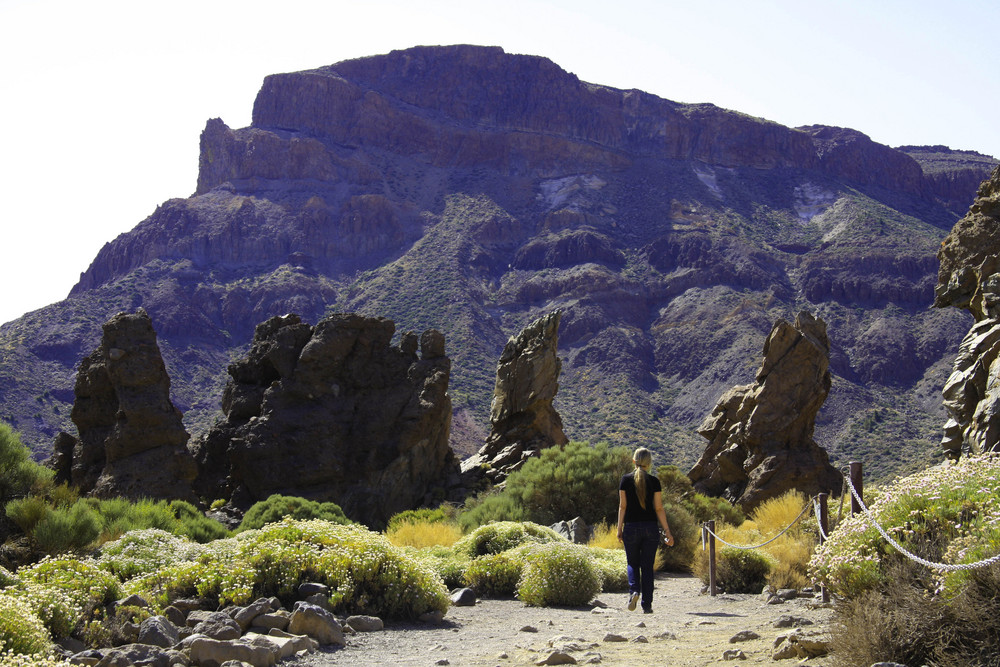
(643, 458)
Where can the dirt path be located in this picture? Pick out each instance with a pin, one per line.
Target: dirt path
(686, 628)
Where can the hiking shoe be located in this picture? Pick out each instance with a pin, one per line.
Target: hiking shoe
(632, 601)
(647, 610)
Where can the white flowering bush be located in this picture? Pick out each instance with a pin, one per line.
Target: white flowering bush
(21, 630)
(949, 513)
(144, 551)
(57, 610)
(10, 659)
(365, 573)
(500, 536)
(83, 581)
(7, 578)
(449, 565)
(558, 574)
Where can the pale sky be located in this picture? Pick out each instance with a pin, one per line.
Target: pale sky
(102, 102)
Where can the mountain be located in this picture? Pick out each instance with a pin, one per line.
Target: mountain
(470, 190)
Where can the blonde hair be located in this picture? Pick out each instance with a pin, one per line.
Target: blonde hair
(643, 459)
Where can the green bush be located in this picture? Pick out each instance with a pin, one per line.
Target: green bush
(27, 512)
(277, 507)
(365, 573)
(18, 472)
(740, 570)
(195, 525)
(495, 575)
(678, 490)
(449, 565)
(687, 540)
(558, 574)
(67, 529)
(498, 537)
(495, 506)
(21, 631)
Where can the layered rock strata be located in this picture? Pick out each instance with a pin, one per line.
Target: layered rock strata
(132, 442)
(761, 434)
(522, 417)
(334, 412)
(969, 278)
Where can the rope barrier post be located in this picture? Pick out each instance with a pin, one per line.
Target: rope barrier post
(858, 480)
(824, 526)
(710, 526)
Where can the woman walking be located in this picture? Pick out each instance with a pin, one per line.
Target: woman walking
(640, 508)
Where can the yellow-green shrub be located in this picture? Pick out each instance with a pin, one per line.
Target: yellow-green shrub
(422, 533)
(500, 536)
(57, 610)
(558, 574)
(82, 580)
(611, 565)
(495, 575)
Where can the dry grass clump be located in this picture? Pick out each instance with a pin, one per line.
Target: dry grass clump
(605, 536)
(423, 534)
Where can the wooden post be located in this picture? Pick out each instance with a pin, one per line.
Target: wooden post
(824, 524)
(858, 480)
(710, 526)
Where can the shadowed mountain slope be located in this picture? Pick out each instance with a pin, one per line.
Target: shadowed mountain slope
(469, 190)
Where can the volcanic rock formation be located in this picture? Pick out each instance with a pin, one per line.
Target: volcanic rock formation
(334, 413)
(761, 434)
(969, 278)
(523, 420)
(132, 442)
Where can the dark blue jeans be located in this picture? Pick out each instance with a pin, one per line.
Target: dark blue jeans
(641, 539)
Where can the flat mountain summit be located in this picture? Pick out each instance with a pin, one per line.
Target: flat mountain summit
(471, 191)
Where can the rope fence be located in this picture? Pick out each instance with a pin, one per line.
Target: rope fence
(818, 504)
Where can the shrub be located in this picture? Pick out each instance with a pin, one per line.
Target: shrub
(83, 581)
(493, 507)
(948, 513)
(497, 537)
(677, 489)
(57, 610)
(365, 573)
(67, 529)
(687, 540)
(740, 570)
(277, 507)
(422, 533)
(612, 567)
(448, 565)
(558, 574)
(495, 575)
(7, 578)
(195, 525)
(8, 659)
(27, 512)
(18, 472)
(21, 631)
(423, 515)
(143, 551)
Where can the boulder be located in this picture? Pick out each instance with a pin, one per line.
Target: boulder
(219, 625)
(761, 435)
(158, 631)
(137, 655)
(969, 278)
(132, 442)
(207, 652)
(333, 413)
(316, 622)
(522, 417)
(575, 530)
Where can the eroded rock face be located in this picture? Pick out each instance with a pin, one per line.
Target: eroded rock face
(523, 420)
(969, 278)
(132, 442)
(334, 413)
(761, 435)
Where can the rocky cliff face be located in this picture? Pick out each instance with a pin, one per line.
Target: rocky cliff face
(522, 417)
(333, 413)
(469, 190)
(970, 278)
(132, 442)
(761, 435)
